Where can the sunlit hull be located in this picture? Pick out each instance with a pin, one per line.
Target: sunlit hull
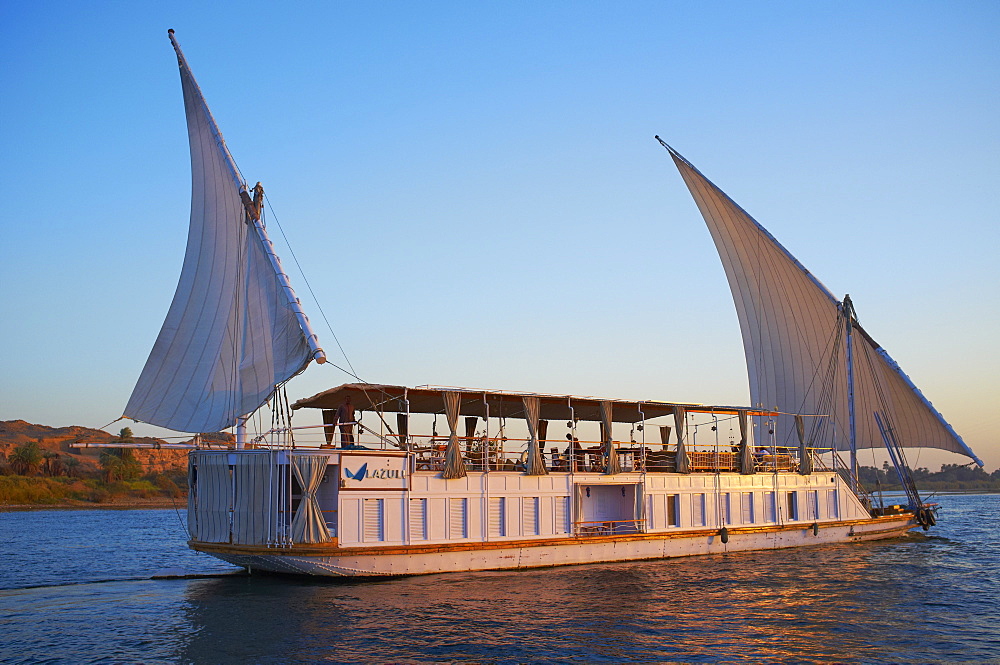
(334, 561)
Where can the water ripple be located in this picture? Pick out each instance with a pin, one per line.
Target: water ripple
(925, 598)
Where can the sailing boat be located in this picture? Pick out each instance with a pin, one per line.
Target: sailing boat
(393, 496)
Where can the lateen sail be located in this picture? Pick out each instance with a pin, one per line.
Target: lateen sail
(795, 356)
(234, 329)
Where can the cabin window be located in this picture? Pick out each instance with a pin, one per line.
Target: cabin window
(374, 528)
(498, 516)
(562, 514)
(792, 505)
(529, 515)
(458, 512)
(832, 506)
(770, 509)
(418, 519)
(698, 510)
(672, 510)
(812, 505)
(727, 508)
(746, 507)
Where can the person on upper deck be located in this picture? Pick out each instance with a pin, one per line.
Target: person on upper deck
(574, 453)
(345, 416)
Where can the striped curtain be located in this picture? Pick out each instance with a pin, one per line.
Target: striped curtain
(251, 510)
(664, 435)
(535, 465)
(805, 460)
(683, 464)
(454, 465)
(746, 455)
(308, 525)
(613, 466)
(213, 487)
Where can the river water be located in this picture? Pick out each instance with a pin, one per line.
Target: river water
(75, 588)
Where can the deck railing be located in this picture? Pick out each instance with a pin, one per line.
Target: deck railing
(503, 453)
(608, 527)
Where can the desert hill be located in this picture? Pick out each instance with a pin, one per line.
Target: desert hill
(58, 439)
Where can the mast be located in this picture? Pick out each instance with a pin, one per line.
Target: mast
(241, 432)
(848, 308)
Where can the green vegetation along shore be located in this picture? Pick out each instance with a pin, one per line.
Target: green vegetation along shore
(951, 478)
(19, 491)
(57, 467)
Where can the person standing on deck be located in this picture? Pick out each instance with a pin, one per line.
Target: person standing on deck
(345, 416)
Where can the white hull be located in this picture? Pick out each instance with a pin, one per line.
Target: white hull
(365, 562)
(420, 523)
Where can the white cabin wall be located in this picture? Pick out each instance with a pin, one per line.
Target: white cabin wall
(835, 502)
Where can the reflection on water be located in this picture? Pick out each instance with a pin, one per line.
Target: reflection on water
(920, 598)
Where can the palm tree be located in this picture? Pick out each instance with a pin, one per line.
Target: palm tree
(26, 458)
(53, 464)
(120, 464)
(72, 466)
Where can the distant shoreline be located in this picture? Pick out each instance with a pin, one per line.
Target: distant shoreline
(130, 504)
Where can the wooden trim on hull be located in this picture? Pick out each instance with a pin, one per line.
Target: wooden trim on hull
(330, 559)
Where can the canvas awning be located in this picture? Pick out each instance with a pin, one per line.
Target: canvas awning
(427, 399)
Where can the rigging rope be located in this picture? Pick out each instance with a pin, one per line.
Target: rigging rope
(312, 293)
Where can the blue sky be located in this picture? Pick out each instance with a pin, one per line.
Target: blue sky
(475, 196)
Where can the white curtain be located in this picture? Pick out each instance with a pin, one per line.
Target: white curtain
(454, 465)
(308, 526)
(746, 455)
(805, 459)
(683, 464)
(251, 500)
(214, 492)
(613, 466)
(535, 466)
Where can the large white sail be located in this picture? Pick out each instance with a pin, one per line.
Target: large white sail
(234, 330)
(795, 350)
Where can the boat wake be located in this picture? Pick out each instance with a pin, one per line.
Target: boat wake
(165, 574)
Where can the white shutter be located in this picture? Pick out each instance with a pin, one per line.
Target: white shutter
(458, 518)
(698, 510)
(562, 514)
(498, 517)
(746, 507)
(832, 510)
(812, 507)
(418, 519)
(374, 520)
(769, 507)
(727, 508)
(529, 516)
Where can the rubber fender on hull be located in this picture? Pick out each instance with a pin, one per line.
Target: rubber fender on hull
(725, 535)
